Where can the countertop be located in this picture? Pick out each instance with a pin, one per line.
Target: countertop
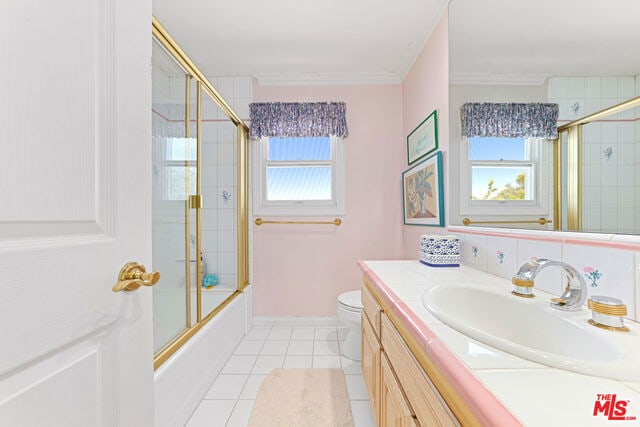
(534, 394)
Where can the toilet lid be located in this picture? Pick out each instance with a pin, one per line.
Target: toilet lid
(351, 299)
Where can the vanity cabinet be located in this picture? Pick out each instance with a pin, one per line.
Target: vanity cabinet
(394, 409)
(401, 392)
(371, 351)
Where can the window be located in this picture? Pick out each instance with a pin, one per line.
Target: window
(178, 168)
(506, 173)
(299, 176)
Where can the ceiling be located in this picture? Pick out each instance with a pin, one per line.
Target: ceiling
(301, 41)
(544, 37)
(377, 41)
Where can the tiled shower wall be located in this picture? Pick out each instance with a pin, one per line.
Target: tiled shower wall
(219, 175)
(219, 182)
(609, 264)
(610, 156)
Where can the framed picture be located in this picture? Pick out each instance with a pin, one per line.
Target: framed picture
(423, 139)
(422, 193)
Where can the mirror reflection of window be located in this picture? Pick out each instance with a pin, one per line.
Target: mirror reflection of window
(502, 168)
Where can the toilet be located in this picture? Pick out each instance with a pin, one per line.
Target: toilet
(349, 311)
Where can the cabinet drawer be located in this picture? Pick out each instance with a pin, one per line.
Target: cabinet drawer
(372, 309)
(426, 402)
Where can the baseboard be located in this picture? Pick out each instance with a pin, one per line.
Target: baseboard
(296, 321)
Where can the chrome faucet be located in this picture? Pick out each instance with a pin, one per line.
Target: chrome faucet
(575, 293)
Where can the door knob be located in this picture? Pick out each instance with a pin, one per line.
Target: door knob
(134, 275)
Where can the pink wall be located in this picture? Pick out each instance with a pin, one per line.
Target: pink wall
(424, 89)
(298, 270)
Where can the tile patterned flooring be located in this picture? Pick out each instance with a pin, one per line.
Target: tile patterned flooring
(229, 401)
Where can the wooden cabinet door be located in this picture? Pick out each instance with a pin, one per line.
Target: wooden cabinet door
(394, 410)
(371, 365)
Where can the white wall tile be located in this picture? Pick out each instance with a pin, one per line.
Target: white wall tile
(609, 196)
(591, 105)
(575, 87)
(626, 87)
(575, 108)
(226, 154)
(209, 198)
(626, 133)
(592, 87)
(626, 219)
(226, 176)
(558, 87)
(625, 154)
(591, 198)
(209, 154)
(209, 220)
(209, 176)
(226, 240)
(243, 87)
(473, 249)
(227, 262)
(209, 240)
(609, 87)
(626, 174)
(615, 266)
(226, 219)
(225, 88)
(502, 256)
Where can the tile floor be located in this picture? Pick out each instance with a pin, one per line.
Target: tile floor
(230, 398)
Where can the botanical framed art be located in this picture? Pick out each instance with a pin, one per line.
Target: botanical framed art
(423, 139)
(422, 193)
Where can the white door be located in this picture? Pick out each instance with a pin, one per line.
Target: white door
(74, 208)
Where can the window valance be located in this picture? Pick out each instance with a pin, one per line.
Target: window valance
(291, 119)
(510, 120)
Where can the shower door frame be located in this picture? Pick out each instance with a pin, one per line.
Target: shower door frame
(195, 201)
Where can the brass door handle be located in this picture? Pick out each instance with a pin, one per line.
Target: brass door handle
(134, 275)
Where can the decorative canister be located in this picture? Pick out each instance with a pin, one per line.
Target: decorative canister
(439, 250)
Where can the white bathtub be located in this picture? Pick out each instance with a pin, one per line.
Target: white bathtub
(183, 380)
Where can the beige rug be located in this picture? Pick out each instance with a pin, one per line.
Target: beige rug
(302, 397)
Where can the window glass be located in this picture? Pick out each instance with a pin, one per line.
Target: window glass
(300, 176)
(300, 148)
(501, 182)
(181, 149)
(481, 148)
(298, 183)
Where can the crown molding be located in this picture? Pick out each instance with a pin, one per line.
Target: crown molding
(497, 79)
(328, 79)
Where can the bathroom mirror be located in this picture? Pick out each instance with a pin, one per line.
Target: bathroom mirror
(564, 53)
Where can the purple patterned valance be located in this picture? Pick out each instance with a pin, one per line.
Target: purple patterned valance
(295, 119)
(533, 120)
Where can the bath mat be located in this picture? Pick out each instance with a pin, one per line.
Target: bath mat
(302, 397)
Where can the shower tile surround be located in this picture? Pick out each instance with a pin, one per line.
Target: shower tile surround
(609, 154)
(219, 171)
(219, 190)
(616, 258)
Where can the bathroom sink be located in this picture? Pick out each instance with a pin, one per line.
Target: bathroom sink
(531, 329)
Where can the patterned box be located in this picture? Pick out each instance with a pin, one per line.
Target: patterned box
(439, 250)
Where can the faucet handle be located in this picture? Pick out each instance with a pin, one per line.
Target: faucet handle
(522, 287)
(607, 313)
